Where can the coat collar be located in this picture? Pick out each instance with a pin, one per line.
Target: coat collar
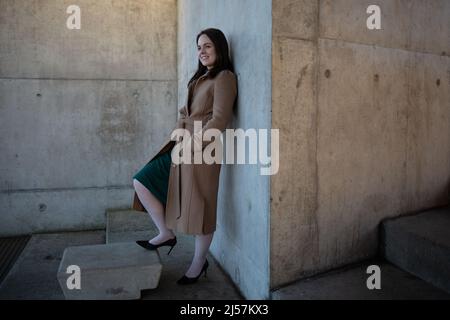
(205, 74)
(191, 91)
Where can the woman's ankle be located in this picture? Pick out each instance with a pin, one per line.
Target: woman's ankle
(167, 234)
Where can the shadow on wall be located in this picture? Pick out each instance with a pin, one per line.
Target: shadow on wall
(448, 193)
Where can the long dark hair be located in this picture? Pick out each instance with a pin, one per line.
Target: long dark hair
(223, 61)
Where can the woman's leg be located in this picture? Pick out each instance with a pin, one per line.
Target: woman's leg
(156, 211)
(202, 243)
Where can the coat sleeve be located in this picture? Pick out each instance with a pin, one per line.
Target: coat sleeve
(225, 92)
(182, 112)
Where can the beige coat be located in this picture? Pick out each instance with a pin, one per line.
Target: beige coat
(192, 189)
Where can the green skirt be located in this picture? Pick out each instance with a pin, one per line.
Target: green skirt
(155, 176)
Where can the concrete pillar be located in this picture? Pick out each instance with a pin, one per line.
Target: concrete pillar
(294, 246)
(241, 242)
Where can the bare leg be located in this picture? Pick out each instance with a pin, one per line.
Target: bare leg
(156, 211)
(202, 243)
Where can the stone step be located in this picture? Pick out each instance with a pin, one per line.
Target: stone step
(109, 271)
(420, 244)
(128, 226)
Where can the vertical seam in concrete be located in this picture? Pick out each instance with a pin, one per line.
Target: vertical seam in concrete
(405, 206)
(269, 216)
(406, 197)
(269, 206)
(316, 125)
(319, 33)
(409, 39)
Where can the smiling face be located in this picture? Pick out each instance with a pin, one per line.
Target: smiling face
(206, 51)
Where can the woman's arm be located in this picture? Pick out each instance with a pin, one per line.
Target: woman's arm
(182, 112)
(225, 92)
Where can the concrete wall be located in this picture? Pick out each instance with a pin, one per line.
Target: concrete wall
(80, 110)
(241, 243)
(363, 115)
(365, 126)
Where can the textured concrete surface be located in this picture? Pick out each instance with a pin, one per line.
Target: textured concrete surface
(420, 244)
(120, 222)
(293, 229)
(81, 110)
(115, 271)
(38, 210)
(95, 135)
(241, 242)
(422, 26)
(34, 273)
(375, 159)
(428, 147)
(294, 245)
(351, 284)
(117, 40)
(294, 19)
(365, 122)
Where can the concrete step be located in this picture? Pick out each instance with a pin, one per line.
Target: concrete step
(350, 283)
(128, 226)
(109, 271)
(420, 244)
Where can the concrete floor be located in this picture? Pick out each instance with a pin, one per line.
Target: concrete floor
(34, 274)
(349, 283)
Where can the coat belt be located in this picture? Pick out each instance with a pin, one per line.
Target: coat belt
(191, 120)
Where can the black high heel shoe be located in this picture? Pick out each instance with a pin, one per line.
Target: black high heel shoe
(186, 280)
(149, 246)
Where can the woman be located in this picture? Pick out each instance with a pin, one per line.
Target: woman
(183, 197)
